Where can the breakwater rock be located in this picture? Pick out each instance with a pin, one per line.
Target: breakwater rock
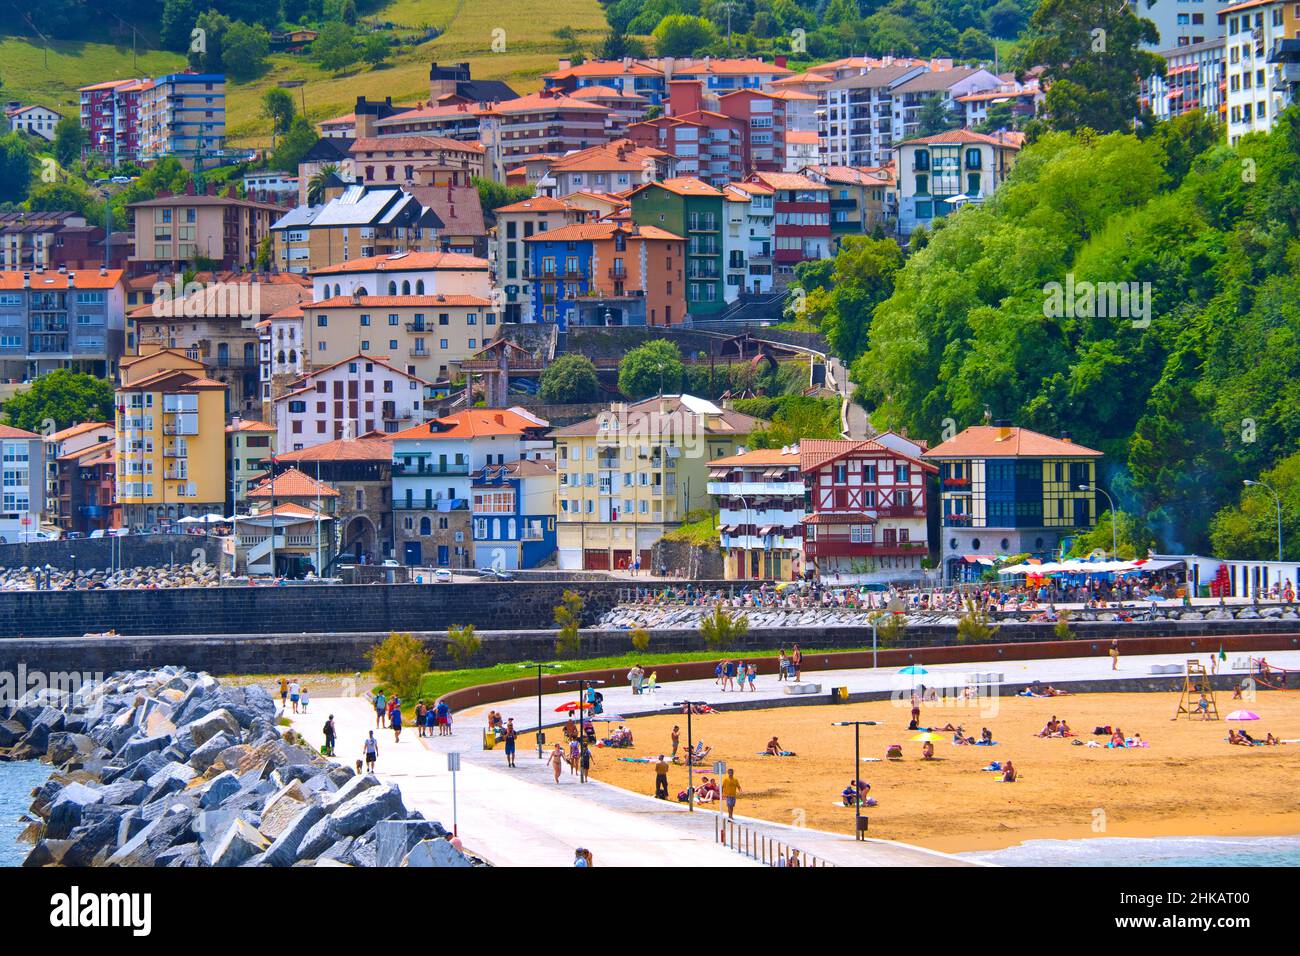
(168, 767)
(147, 577)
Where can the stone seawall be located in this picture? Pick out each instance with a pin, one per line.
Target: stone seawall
(247, 652)
(297, 610)
(138, 550)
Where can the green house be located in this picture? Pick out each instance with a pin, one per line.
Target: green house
(690, 208)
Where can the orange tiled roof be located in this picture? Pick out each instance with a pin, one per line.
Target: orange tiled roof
(292, 483)
(47, 281)
(963, 136)
(75, 430)
(380, 144)
(535, 204)
(248, 425)
(759, 456)
(8, 431)
(993, 441)
(473, 423)
(343, 449)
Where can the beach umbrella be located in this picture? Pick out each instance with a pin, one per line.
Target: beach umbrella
(573, 705)
(927, 737)
(1242, 715)
(913, 669)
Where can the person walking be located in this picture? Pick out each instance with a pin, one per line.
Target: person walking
(556, 760)
(731, 790)
(284, 695)
(395, 720)
(419, 719)
(1114, 655)
(796, 662)
(331, 736)
(511, 735)
(585, 762)
(381, 709)
(294, 693)
(371, 752)
(304, 699)
(661, 779)
(677, 741)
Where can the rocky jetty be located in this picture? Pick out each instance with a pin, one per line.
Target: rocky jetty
(688, 617)
(168, 767)
(177, 576)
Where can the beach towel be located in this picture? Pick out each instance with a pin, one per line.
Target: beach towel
(783, 753)
(986, 743)
(994, 767)
(637, 759)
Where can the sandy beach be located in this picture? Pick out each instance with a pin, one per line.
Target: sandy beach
(1188, 782)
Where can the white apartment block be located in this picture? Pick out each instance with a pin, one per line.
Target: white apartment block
(348, 399)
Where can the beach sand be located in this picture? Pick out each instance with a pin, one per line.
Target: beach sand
(1188, 782)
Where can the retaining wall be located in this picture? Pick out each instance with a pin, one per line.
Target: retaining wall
(138, 550)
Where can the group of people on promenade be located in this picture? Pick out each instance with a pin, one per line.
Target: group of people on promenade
(293, 693)
(428, 717)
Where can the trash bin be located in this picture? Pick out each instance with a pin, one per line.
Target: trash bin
(489, 740)
(1205, 590)
(840, 695)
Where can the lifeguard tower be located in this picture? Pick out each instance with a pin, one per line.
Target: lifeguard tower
(1195, 683)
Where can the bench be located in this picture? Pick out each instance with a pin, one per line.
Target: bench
(797, 689)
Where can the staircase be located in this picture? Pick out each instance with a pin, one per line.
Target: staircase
(749, 310)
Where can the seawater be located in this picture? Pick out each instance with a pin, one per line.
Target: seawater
(1153, 851)
(16, 782)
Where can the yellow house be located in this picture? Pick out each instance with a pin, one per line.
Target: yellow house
(170, 442)
(633, 473)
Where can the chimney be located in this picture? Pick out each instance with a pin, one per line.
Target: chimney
(72, 280)
(1004, 429)
(103, 270)
(27, 280)
(781, 61)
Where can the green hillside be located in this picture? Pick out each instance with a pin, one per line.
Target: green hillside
(530, 48)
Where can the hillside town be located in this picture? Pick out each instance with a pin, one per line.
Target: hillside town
(348, 363)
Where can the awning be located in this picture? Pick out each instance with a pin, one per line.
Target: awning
(718, 473)
(766, 529)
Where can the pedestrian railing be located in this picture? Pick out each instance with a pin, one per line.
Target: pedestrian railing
(757, 845)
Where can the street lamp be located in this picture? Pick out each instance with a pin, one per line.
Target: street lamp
(857, 726)
(749, 517)
(1114, 534)
(690, 746)
(1264, 484)
(541, 737)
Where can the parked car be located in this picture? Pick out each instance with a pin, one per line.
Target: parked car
(442, 575)
(75, 535)
(121, 180)
(495, 574)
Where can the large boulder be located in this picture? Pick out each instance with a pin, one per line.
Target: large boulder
(350, 789)
(222, 786)
(240, 842)
(206, 754)
(64, 747)
(11, 731)
(319, 838)
(143, 849)
(396, 838)
(88, 840)
(67, 808)
(281, 808)
(437, 852)
(360, 814)
(209, 725)
(284, 851)
(138, 747)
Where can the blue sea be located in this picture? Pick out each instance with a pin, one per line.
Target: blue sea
(16, 782)
(1155, 851)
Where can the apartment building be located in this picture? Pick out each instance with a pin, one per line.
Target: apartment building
(628, 76)
(801, 227)
(802, 148)
(516, 223)
(359, 222)
(937, 175)
(183, 115)
(272, 186)
(110, 115)
(800, 109)
(1007, 490)
(49, 240)
(760, 498)
(358, 396)
(1025, 98)
(250, 446)
(861, 200)
(607, 273)
(624, 108)
(70, 442)
(724, 74)
(1259, 65)
(910, 97)
(404, 273)
(1194, 80)
(513, 512)
(631, 474)
(173, 232)
(855, 115)
(22, 484)
(613, 167)
(289, 530)
(65, 319)
(412, 160)
(1185, 23)
(83, 497)
(360, 470)
(692, 209)
(547, 123)
(758, 209)
(432, 468)
(707, 150)
(170, 454)
(867, 521)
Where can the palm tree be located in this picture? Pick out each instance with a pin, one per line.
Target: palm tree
(316, 185)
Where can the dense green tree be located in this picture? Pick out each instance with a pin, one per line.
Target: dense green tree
(1093, 60)
(1248, 527)
(570, 378)
(935, 117)
(244, 51)
(15, 167)
(797, 417)
(494, 195)
(680, 34)
(177, 21)
(974, 45)
(648, 368)
(375, 49)
(71, 194)
(293, 146)
(211, 42)
(335, 48)
(63, 396)
(278, 105)
(69, 141)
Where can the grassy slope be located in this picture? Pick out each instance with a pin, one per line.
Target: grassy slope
(530, 49)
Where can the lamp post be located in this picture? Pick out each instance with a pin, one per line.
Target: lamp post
(748, 519)
(1278, 501)
(857, 726)
(541, 737)
(690, 746)
(1114, 534)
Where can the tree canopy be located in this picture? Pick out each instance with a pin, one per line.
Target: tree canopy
(62, 396)
(647, 368)
(570, 378)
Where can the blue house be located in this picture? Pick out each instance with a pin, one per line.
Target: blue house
(559, 271)
(513, 509)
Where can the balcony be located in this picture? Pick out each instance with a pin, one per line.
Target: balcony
(956, 521)
(418, 327)
(900, 511)
(785, 489)
(617, 272)
(420, 353)
(843, 548)
(428, 470)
